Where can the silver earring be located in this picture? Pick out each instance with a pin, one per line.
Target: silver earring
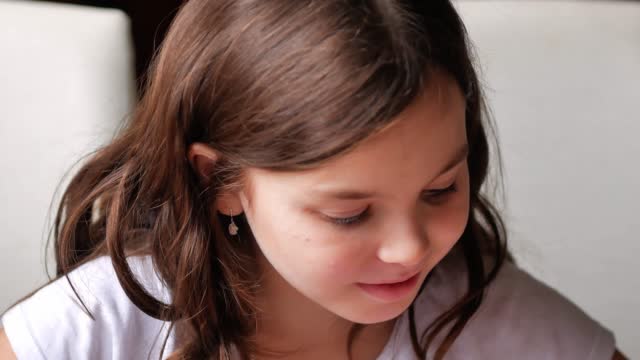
(233, 228)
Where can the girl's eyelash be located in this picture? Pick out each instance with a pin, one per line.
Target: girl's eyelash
(352, 220)
(439, 192)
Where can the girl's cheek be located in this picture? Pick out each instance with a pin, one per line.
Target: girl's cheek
(447, 223)
(346, 265)
(337, 261)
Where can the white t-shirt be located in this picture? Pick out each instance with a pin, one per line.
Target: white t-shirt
(520, 318)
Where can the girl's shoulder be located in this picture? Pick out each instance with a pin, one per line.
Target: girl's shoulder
(54, 324)
(520, 317)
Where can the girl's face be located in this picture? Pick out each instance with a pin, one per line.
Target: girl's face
(390, 209)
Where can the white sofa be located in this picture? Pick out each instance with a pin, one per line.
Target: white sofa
(561, 77)
(66, 80)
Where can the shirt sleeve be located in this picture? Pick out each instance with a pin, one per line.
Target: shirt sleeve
(19, 335)
(523, 318)
(54, 324)
(520, 318)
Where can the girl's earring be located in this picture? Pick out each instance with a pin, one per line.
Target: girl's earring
(233, 228)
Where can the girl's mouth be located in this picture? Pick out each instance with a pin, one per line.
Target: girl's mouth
(392, 291)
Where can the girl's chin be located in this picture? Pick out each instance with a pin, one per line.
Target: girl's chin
(379, 304)
(376, 312)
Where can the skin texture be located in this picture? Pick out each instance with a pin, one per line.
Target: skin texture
(6, 353)
(312, 266)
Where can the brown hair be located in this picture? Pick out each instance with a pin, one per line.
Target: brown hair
(274, 84)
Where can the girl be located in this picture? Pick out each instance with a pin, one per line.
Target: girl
(301, 180)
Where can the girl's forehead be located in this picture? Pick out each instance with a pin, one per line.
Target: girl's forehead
(420, 141)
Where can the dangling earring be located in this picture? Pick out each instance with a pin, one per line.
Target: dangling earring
(233, 228)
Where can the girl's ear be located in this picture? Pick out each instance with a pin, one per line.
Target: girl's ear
(203, 160)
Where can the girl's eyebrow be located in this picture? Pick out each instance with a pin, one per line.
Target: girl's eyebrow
(347, 194)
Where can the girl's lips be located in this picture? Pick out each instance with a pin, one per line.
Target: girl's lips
(392, 291)
(392, 282)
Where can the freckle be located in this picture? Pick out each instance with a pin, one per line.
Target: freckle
(307, 239)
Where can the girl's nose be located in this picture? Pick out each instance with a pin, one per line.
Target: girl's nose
(407, 246)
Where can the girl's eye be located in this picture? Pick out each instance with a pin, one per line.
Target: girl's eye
(351, 220)
(431, 195)
(440, 193)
